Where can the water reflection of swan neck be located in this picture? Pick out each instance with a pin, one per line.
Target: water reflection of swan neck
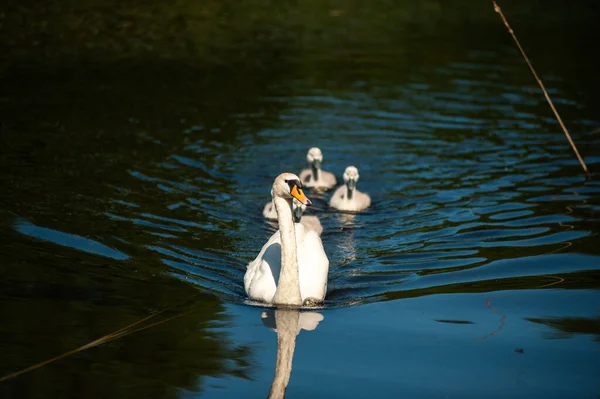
(288, 324)
(287, 329)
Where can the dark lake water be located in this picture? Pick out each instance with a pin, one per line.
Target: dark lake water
(135, 190)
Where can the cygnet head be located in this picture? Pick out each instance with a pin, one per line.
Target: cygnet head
(314, 157)
(288, 185)
(351, 177)
(298, 209)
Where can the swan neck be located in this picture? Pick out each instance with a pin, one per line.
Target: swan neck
(349, 193)
(315, 172)
(288, 286)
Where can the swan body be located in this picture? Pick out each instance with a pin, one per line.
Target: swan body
(292, 267)
(309, 221)
(347, 197)
(314, 177)
(264, 270)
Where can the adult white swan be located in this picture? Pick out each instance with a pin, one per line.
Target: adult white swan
(292, 267)
(311, 222)
(314, 177)
(347, 197)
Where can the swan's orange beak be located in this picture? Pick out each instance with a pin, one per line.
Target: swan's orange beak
(299, 195)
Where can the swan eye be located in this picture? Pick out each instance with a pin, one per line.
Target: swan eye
(293, 183)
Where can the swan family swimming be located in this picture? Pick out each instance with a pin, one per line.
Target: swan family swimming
(292, 267)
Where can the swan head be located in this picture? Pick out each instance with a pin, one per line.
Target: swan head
(314, 157)
(288, 185)
(298, 209)
(351, 177)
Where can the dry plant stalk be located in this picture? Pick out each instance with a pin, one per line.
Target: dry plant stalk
(120, 333)
(583, 165)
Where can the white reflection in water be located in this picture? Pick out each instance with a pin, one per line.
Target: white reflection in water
(287, 323)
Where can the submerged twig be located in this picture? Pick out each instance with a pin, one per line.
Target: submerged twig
(488, 303)
(562, 125)
(120, 333)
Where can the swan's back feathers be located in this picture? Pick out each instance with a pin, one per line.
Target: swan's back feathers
(326, 179)
(269, 211)
(312, 223)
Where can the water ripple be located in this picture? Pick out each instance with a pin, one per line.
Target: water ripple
(469, 188)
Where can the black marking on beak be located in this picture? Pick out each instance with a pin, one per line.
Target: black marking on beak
(294, 183)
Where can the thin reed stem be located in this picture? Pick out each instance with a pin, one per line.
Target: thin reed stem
(120, 333)
(535, 75)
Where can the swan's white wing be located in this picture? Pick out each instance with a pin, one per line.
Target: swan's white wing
(312, 263)
(326, 179)
(263, 271)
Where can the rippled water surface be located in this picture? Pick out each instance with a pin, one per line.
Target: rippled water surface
(475, 272)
